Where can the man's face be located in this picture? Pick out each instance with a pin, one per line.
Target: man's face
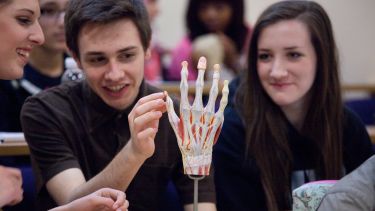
(112, 58)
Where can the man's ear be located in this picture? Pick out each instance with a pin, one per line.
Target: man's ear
(148, 53)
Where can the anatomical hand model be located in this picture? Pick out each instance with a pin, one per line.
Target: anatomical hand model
(199, 127)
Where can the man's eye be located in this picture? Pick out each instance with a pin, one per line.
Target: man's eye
(126, 56)
(97, 60)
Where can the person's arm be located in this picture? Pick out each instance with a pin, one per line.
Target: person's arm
(10, 186)
(105, 198)
(70, 184)
(206, 206)
(353, 192)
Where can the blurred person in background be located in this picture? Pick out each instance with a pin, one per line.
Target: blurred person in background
(154, 67)
(217, 30)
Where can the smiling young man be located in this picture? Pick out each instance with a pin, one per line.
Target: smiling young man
(108, 130)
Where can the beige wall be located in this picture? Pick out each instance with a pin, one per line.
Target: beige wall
(353, 22)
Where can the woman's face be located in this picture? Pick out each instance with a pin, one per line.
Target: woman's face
(286, 63)
(216, 16)
(20, 32)
(52, 23)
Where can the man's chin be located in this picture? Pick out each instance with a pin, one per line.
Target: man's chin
(118, 104)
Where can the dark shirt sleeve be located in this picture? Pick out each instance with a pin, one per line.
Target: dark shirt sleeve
(357, 142)
(237, 182)
(41, 123)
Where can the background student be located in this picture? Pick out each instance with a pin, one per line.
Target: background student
(220, 27)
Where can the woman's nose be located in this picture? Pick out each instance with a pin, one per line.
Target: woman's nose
(36, 35)
(279, 69)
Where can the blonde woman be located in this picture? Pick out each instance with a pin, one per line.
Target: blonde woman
(20, 33)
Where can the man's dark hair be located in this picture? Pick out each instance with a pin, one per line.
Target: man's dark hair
(79, 13)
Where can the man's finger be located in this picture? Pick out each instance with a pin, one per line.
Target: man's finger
(154, 96)
(157, 104)
(119, 200)
(146, 120)
(147, 134)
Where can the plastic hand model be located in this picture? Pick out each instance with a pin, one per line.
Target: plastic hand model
(199, 127)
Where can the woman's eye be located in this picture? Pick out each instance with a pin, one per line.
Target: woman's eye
(294, 55)
(263, 57)
(24, 20)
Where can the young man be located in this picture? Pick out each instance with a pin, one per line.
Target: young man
(108, 130)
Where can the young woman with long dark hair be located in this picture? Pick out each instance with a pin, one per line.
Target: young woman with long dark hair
(287, 125)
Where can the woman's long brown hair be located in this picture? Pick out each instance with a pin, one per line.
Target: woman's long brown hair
(266, 125)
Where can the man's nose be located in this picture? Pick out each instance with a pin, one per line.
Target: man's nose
(114, 72)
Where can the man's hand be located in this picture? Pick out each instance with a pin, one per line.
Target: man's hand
(103, 199)
(10, 186)
(144, 123)
(143, 120)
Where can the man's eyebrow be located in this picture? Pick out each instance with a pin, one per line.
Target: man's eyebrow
(127, 49)
(93, 53)
(98, 53)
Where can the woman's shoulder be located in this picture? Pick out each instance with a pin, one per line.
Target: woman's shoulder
(351, 119)
(356, 141)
